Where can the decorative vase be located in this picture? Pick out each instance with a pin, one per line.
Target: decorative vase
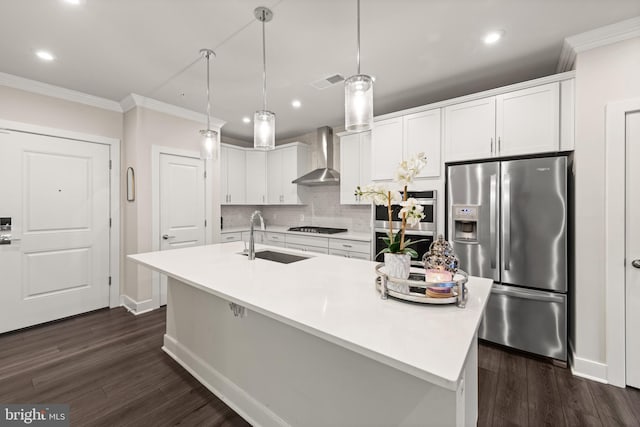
(397, 265)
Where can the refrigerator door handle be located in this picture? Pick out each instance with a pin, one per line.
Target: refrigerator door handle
(521, 293)
(506, 216)
(493, 235)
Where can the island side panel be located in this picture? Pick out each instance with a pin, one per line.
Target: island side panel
(274, 374)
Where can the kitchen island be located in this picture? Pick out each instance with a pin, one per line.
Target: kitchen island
(311, 343)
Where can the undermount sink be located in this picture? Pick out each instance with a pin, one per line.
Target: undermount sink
(281, 257)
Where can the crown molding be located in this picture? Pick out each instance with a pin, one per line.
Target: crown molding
(47, 89)
(598, 37)
(134, 100)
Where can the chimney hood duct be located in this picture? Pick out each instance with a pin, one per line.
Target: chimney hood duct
(325, 175)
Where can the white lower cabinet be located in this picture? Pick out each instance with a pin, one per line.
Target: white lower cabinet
(234, 236)
(258, 236)
(308, 243)
(350, 248)
(274, 238)
(349, 254)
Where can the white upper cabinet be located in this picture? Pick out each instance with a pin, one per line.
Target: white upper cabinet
(256, 166)
(401, 138)
(232, 175)
(355, 165)
(284, 164)
(386, 148)
(528, 120)
(525, 121)
(422, 135)
(470, 129)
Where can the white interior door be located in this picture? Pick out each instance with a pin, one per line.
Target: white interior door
(57, 193)
(633, 251)
(182, 206)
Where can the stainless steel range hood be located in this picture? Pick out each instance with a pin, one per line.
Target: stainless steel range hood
(324, 175)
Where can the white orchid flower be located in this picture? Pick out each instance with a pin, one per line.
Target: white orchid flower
(378, 194)
(409, 169)
(412, 210)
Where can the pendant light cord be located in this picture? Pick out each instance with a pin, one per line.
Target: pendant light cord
(264, 65)
(358, 54)
(208, 95)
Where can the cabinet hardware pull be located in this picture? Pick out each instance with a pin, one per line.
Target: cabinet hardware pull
(499, 145)
(492, 145)
(346, 246)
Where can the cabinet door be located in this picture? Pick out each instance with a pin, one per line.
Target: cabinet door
(224, 193)
(349, 168)
(290, 172)
(365, 161)
(386, 148)
(256, 177)
(528, 120)
(274, 177)
(470, 130)
(422, 134)
(236, 176)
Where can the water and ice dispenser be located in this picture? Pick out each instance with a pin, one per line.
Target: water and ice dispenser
(465, 223)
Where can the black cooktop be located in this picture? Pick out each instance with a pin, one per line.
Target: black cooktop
(320, 230)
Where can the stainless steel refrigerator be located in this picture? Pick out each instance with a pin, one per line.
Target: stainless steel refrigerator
(507, 221)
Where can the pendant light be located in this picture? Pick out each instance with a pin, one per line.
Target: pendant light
(264, 121)
(358, 97)
(209, 136)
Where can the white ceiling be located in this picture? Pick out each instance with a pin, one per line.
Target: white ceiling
(420, 51)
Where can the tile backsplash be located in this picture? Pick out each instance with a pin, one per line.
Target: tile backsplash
(321, 207)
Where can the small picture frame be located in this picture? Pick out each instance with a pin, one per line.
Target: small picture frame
(131, 185)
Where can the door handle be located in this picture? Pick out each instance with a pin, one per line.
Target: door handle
(493, 235)
(635, 263)
(167, 237)
(506, 232)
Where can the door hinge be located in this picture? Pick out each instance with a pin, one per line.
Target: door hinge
(205, 222)
(110, 165)
(109, 222)
(205, 174)
(109, 280)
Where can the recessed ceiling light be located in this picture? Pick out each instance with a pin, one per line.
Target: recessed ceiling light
(493, 37)
(44, 55)
(296, 103)
(75, 2)
(246, 120)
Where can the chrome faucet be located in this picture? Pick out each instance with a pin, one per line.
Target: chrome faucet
(252, 248)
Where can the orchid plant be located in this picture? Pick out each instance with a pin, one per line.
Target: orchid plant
(411, 211)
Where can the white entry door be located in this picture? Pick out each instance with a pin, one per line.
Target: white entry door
(182, 206)
(56, 192)
(633, 250)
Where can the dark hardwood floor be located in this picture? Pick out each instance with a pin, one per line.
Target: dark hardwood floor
(109, 367)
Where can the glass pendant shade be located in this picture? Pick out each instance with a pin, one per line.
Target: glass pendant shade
(264, 130)
(358, 103)
(208, 144)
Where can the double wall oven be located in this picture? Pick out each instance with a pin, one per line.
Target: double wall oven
(424, 230)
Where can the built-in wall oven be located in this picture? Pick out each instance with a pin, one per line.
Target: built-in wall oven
(424, 230)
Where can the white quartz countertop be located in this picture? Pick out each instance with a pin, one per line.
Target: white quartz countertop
(334, 298)
(349, 235)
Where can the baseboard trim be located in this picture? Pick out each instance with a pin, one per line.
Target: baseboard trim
(137, 307)
(589, 369)
(254, 412)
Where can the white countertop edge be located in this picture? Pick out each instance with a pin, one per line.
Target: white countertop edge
(449, 383)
